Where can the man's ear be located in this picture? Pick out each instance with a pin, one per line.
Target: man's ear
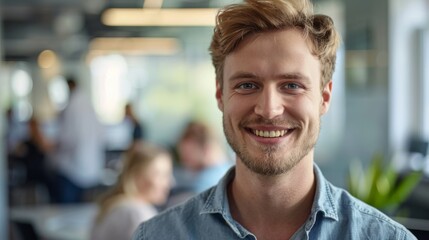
(326, 97)
(219, 95)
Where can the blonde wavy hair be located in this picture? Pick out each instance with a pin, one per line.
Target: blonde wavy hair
(136, 160)
(237, 21)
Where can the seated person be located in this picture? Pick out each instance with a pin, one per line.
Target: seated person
(202, 159)
(144, 181)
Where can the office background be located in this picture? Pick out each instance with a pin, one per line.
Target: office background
(381, 84)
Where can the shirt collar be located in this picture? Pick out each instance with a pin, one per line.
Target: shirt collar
(217, 201)
(323, 199)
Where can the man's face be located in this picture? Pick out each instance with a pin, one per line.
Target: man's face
(272, 101)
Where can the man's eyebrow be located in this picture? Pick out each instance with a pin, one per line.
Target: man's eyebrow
(242, 75)
(289, 76)
(295, 75)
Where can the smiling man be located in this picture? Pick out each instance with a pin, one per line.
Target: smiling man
(274, 62)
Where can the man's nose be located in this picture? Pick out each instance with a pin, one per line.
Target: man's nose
(269, 103)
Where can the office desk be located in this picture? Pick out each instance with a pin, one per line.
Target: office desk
(57, 222)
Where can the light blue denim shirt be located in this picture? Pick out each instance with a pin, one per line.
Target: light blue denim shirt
(335, 214)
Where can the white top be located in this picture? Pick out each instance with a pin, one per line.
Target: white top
(122, 220)
(80, 152)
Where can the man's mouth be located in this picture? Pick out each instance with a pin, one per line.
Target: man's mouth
(270, 134)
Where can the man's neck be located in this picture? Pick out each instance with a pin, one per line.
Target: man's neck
(272, 207)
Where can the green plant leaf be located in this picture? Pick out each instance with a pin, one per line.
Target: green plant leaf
(385, 185)
(405, 187)
(357, 180)
(380, 185)
(373, 174)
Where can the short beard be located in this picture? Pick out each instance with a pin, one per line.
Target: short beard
(272, 163)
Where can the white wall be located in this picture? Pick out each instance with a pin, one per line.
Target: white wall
(407, 85)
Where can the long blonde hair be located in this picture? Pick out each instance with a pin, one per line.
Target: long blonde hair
(136, 160)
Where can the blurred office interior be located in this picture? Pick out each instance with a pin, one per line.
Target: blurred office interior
(148, 53)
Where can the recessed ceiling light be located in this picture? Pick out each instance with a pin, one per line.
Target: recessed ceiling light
(160, 17)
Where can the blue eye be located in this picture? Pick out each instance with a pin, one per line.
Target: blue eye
(292, 86)
(247, 86)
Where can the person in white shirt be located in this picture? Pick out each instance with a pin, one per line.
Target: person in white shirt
(144, 182)
(79, 156)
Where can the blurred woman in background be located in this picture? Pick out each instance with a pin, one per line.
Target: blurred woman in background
(145, 181)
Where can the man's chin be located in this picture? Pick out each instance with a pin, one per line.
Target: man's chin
(265, 168)
(267, 171)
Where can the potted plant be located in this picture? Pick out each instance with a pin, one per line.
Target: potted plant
(381, 185)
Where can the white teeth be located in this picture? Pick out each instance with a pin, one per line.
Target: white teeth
(269, 134)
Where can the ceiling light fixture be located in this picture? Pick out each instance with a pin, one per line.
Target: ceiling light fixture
(47, 59)
(137, 45)
(160, 17)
